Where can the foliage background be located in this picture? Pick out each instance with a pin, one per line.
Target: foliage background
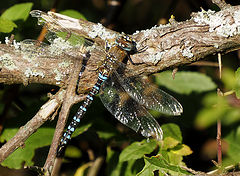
(194, 86)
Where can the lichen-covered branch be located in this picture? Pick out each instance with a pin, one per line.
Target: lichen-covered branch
(69, 99)
(164, 46)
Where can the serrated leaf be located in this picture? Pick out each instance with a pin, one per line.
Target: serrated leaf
(148, 169)
(175, 159)
(169, 143)
(18, 12)
(137, 150)
(237, 84)
(172, 130)
(6, 26)
(159, 163)
(185, 82)
(182, 150)
(43, 137)
(233, 140)
(73, 14)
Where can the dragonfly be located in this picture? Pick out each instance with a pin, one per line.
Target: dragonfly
(127, 98)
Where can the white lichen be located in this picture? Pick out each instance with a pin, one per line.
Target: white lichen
(58, 46)
(58, 76)
(7, 40)
(33, 73)
(99, 30)
(154, 57)
(64, 64)
(186, 52)
(153, 31)
(219, 22)
(7, 62)
(16, 44)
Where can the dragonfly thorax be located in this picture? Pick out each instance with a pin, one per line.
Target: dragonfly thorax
(126, 43)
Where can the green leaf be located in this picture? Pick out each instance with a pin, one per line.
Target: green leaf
(231, 116)
(6, 26)
(173, 131)
(128, 168)
(233, 140)
(237, 84)
(112, 161)
(43, 137)
(137, 150)
(159, 163)
(18, 12)
(185, 82)
(148, 169)
(169, 143)
(73, 14)
(81, 129)
(73, 152)
(215, 108)
(228, 78)
(182, 150)
(107, 132)
(105, 129)
(175, 159)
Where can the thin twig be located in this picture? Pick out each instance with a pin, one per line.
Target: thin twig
(219, 132)
(94, 169)
(204, 63)
(192, 171)
(68, 102)
(220, 65)
(219, 143)
(27, 130)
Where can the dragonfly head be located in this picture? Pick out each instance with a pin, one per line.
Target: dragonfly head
(126, 43)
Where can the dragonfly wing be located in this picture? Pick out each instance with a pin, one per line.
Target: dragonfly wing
(148, 94)
(128, 111)
(64, 40)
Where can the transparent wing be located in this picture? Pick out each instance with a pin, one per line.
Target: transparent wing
(147, 94)
(35, 48)
(61, 29)
(127, 110)
(63, 37)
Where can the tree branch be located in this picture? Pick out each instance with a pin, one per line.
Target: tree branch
(27, 130)
(206, 33)
(170, 45)
(69, 100)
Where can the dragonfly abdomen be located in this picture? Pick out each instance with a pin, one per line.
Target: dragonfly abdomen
(80, 113)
